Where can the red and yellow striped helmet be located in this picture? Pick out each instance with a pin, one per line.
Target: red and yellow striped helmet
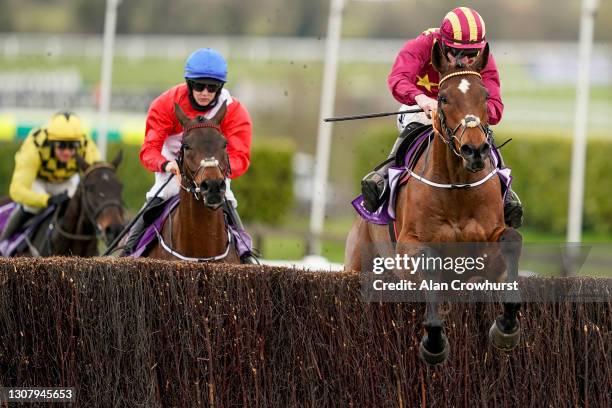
(463, 28)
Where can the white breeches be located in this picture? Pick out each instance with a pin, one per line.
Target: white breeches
(406, 118)
(41, 186)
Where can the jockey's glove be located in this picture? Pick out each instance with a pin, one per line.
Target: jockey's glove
(58, 199)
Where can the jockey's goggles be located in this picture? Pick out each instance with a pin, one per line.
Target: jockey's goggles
(200, 86)
(63, 145)
(463, 52)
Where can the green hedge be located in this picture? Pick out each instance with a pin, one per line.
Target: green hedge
(540, 167)
(264, 193)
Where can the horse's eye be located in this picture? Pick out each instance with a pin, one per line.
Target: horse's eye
(186, 146)
(442, 99)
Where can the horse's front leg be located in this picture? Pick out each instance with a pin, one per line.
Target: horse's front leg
(506, 330)
(434, 347)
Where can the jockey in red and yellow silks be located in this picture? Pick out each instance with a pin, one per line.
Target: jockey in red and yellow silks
(413, 81)
(413, 74)
(202, 94)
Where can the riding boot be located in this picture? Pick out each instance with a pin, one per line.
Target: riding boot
(375, 185)
(513, 208)
(16, 220)
(236, 222)
(138, 230)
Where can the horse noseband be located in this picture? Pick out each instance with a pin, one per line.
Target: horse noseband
(470, 121)
(207, 162)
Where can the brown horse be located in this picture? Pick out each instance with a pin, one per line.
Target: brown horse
(196, 229)
(95, 211)
(452, 196)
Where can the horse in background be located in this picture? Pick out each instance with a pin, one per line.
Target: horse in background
(94, 212)
(452, 195)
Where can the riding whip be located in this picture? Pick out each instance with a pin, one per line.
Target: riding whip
(371, 115)
(113, 244)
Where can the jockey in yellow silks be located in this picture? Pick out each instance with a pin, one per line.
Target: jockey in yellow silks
(46, 170)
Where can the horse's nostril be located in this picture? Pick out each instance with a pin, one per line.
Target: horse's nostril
(484, 149)
(204, 186)
(467, 150)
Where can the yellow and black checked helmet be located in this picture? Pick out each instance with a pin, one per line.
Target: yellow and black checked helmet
(65, 127)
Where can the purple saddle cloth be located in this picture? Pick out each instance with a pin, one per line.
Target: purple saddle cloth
(9, 246)
(386, 212)
(240, 238)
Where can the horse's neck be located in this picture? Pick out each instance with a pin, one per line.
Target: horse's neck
(196, 230)
(445, 166)
(74, 221)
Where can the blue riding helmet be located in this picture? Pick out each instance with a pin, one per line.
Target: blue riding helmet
(206, 63)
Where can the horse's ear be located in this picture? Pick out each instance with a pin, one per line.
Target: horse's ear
(218, 118)
(481, 60)
(83, 165)
(438, 59)
(180, 115)
(117, 160)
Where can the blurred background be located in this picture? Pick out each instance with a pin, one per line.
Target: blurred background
(50, 59)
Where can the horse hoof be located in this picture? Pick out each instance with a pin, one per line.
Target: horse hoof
(504, 341)
(434, 358)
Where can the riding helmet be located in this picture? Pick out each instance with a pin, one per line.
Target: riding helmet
(463, 27)
(65, 126)
(206, 63)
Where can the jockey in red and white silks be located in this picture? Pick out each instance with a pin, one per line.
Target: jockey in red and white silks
(164, 135)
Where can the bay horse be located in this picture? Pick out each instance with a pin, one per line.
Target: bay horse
(95, 211)
(196, 229)
(451, 196)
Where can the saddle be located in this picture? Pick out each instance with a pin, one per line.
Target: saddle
(17, 242)
(154, 211)
(409, 140)
(157, 215)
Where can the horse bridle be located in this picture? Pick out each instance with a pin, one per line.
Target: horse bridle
(189, 176)
(193, 188)
(90, 213)
(468, 121)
